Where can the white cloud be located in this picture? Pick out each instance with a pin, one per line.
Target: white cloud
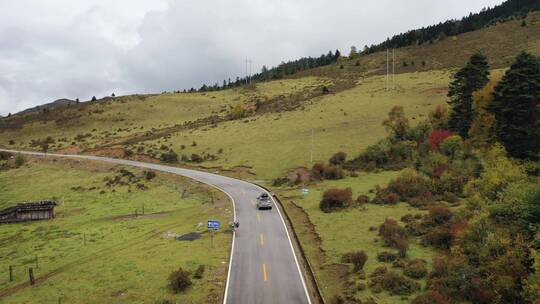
(59, 48)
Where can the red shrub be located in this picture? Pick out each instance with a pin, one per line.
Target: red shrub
(317, 171)
(431, 297)
(320, 171)
(458, 228)
(440, 237)
(338, 158)
(440, 265)
(436, 137)
(440, 214)
(334, 199)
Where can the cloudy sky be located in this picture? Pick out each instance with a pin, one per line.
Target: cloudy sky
(63, 48)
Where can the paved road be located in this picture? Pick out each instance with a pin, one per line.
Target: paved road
(263, 267)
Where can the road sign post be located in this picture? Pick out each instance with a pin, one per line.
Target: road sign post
(213, 226)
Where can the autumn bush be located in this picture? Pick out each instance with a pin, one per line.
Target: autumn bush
(199, 272)
(169, 157)
(415, 269)
(409, 186)
(439, 236)
(196, 158)
(336, 199)
(179, 280)
(321, 171)
(149, 175)
(338, 158)
(394, 236)
(357, 258)
(436, 137)
(439, 214)
(386, 256)
(361, 200)
(392, 282)
(498, 172)
(431, 297)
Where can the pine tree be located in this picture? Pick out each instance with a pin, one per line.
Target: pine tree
(466, 81)
(516, 106)
(353, 52)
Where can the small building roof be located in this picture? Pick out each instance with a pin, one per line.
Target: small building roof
(30, 206)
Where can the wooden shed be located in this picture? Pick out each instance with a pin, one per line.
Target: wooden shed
(32, 211)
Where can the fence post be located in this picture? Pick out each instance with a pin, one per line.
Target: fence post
(31, 275)
(10, 273)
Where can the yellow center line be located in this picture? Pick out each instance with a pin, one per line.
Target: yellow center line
(262, 239)
(265, 275)
(258, 217)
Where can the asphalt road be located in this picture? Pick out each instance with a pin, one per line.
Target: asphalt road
(263, 267)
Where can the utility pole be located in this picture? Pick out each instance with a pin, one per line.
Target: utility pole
(311, 151)
(387, 67)
(250, 62)
(393, 70)
(246, 71)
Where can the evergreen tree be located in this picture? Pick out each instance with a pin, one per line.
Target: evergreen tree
(467, 80)
(337, 54)
(353, 52)
(516, 106)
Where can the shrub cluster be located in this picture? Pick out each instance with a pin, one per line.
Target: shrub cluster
(338, 158)
(394, 236)
(149, 175)
(357, 258)
(336, 199)
(179, 280)
(415, 269)
(321, 171)
(169, 157)
(382, 278)
(410, 186)
(386, 257)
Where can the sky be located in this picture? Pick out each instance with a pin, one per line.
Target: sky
(78, 49)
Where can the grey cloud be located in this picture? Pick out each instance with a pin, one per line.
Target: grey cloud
(83, 48)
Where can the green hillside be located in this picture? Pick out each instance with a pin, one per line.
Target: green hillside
(280, 113)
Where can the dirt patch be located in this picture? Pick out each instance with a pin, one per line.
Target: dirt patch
(436, 91)
(70, 150)
(144, 158)
(192, 236)
(242, 171)
(108, 152)
(300, 174)
(136, 216)
(90, 165)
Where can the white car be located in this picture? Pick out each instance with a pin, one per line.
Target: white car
(264, 201)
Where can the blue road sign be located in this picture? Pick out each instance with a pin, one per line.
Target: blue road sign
(214, 225)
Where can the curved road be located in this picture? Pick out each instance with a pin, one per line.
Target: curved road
(263, 267)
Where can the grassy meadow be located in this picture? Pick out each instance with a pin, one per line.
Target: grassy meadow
(327, 236)
(96, 250)
(347, 121)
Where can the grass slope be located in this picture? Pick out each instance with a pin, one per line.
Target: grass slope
(327, 236)
(348, 121)
(95, 250)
